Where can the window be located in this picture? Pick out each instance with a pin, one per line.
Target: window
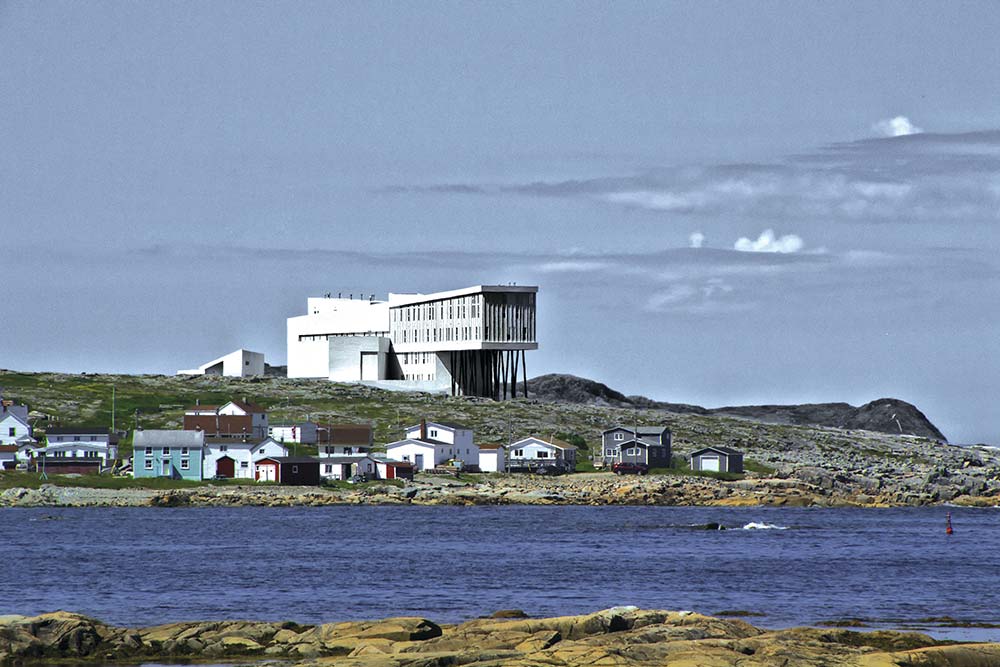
(185, 464)
(149, 464)
(295, 468)
(244, 464)
(223, 448)
(184, 451)
(328, 468)
(609, 452)
(166, 451)
(76, 438)
(519, 453)
(149, 451)
(619, 436)
(433, 433)
(406, 457)
(542, 455)
(348, 450)
(11, 431)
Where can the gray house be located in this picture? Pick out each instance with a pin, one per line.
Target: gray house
(649, 445)
(717, 459)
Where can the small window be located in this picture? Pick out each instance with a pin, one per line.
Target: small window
(244, 464)
(184, 451)
(295, 468)
(328, 468)
(149, 451)
(149, 464)
(166, 451)
(11, 431)
(185, 464)
(406, 457)
(76, 438)
(223, 448)
(542, 455)
(433, 433)
(619, 436)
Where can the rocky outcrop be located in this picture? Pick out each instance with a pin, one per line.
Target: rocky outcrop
(885, 415)
(620, 636)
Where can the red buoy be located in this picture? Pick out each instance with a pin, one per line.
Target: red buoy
(948, 529)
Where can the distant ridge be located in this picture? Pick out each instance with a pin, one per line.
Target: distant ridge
(885, 415)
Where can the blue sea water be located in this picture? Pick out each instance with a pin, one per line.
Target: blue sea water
(891, 567)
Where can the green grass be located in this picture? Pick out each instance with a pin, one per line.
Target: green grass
(752, 466)
(32, 480)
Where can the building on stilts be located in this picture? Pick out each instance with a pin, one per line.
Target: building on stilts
(466, 342)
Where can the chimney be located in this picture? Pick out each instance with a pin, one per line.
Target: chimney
(423, 429)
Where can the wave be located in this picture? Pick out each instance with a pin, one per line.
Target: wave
(760, 525)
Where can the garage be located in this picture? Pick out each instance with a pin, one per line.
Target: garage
(225, 467)
(717, 459)
(266, 470)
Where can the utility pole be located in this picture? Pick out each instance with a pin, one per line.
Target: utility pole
(112, 408)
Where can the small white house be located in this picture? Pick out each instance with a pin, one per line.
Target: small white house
(241, 363)
(14, 430)
(346, 467)
(531, 454)
(299, 433)
(492, 458)
(234, 458)
(447, 432)
(428, 454)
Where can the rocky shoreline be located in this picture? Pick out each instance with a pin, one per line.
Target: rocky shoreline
(804, 487)
(621, 636)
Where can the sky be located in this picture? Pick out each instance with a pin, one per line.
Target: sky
(721, 203)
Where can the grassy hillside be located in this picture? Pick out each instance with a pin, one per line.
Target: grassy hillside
(159, 401)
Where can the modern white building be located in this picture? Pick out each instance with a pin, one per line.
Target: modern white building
(241, 363)
(469, 341)
(235, 458)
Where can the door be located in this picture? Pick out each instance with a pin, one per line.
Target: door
(165, 468)
(267, 473)
(710, 463)
(369, 365)
(419, 461)
(225, 467)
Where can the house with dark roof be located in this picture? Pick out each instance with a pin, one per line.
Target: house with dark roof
(289, 470)
(233, 419)
(648, 445)
(344, 439)
(717, 459)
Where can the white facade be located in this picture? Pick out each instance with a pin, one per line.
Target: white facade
(83, 444)
(345, 467)
(492, 459)
(241, 363)
(417, 341)
(244, 455)
(452, 434)
(423, 455)
(535, 452)
(14, 430)
(342, 450)
(300, 433)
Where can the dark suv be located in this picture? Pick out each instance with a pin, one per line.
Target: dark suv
(628, 468)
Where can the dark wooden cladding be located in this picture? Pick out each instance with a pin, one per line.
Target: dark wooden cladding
(488, 373)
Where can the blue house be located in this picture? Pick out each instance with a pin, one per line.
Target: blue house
(166, 453)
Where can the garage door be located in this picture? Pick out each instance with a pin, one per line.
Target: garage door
(710, 463)
(267, 473)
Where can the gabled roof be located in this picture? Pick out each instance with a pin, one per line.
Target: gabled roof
(249, 408)
(641, 442)
(11, 415)
(722, 450)
(553, 442)
(451, 426)
(417, 441)
(346, 434)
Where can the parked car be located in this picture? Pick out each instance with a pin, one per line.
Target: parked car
(628, 468)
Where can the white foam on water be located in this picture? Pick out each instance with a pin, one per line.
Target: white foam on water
(759, 525)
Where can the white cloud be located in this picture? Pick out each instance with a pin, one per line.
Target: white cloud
(900, 126)
(696, 239)
(768, 242)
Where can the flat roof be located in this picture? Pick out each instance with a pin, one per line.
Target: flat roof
(397, 300)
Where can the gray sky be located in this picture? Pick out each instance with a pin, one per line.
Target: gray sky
(176, 178)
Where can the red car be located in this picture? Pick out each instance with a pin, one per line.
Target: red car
(627, 468)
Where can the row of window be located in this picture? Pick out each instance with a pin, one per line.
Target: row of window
(441, 335)
(185, 464)
(463, 307)
(166, 451)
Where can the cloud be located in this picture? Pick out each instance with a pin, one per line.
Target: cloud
(906, 178)
(899, 126)
(767, 242)
(696, 239)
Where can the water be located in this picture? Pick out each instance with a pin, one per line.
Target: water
(137, 566)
